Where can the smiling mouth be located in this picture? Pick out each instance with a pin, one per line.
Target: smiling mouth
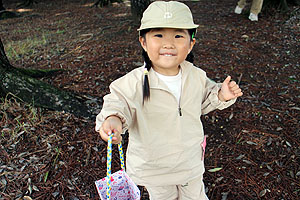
(167, 54)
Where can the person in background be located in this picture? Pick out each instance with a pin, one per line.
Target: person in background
(254, 10)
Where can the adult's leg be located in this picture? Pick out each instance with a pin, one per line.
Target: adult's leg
(241, 3)
(256, 6)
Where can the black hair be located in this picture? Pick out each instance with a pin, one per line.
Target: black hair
(148, 63)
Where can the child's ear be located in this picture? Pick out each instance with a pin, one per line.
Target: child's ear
(143, 43)
(193, 42)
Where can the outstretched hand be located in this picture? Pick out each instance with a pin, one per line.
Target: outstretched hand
(229, 90)
(111, 125)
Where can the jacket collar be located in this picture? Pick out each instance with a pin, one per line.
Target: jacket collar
(155, 82)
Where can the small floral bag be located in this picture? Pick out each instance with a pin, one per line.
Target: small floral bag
(116, 186)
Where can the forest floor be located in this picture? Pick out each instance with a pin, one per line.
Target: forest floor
(253, 149)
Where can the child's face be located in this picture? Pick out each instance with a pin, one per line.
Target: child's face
(167, 48)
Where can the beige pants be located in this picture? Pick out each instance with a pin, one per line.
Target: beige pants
(193, 190)
(255, 6)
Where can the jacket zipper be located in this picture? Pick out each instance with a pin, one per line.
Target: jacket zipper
(179, 107)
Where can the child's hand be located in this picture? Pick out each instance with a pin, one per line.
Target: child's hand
(229, 90)
(112, 124)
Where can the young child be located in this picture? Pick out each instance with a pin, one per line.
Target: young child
(161, 103)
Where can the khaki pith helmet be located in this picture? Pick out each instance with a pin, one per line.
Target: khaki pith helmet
(172, 14)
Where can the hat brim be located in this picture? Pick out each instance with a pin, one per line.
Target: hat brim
(168, 26)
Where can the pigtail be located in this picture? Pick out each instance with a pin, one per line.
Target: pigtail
(190, 57)
(146, 86)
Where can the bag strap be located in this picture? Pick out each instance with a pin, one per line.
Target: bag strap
(108, 164)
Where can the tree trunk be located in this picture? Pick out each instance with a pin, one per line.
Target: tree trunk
(137, 9)
(1, 6)
(4, 14)
(103, 3)
(284, 6)
(26, 3)
(40, 94)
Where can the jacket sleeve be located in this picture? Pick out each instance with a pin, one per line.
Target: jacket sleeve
(115, 103)
(210, 97)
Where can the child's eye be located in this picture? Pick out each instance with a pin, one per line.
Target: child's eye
(178, 36)
(158, 35)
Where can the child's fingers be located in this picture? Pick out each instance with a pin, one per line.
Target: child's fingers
(114, 124)
(117, 138)
(234, 88)
(104, 134)
(238, 91)
(232, 84)
(227, 80)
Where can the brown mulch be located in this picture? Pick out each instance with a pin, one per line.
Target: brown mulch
(255, 143)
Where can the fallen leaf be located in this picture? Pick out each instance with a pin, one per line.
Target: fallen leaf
(247, 161)
(263, 193)
(215, 169)
(27, 198)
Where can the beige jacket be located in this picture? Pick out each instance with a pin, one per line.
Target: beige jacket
(164, 146)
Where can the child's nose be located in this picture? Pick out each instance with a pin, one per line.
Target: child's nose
(168, 43)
